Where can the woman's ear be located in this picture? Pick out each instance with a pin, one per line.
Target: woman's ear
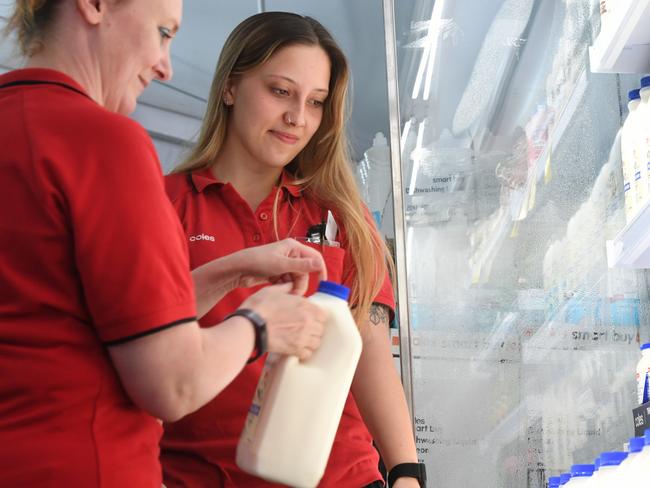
(229, 93)
(92, 10)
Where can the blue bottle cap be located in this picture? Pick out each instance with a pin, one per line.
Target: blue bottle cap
(636, 444)
(646, 436)
(554, 482)
(645, 82)
(597, 463)
(582, 470)
(564, 478)
(334, 289)
(612, 458)
(634, 95)
(645, 346)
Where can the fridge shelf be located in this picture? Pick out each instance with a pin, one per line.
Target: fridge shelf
(631, 247)
(623, 46)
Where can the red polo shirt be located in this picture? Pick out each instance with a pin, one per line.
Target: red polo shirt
(91, 253)
(199, 450)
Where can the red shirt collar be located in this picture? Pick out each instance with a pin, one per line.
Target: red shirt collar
(41, 74)
(203, 178)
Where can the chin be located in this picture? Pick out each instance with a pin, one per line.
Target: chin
(127, 107)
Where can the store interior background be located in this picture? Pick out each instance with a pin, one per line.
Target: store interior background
(523, 340)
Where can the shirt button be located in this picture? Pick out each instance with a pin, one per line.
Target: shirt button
(256, 237)
(264, 216)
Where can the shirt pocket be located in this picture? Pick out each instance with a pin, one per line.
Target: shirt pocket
(334, 258)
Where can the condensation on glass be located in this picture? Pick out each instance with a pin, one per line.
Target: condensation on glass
(524, 342)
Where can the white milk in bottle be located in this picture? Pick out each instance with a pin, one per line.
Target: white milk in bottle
(628, 155)
(297, 406)
(642, 119)
(642, 371)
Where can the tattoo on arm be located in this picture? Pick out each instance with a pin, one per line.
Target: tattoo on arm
(378, 314)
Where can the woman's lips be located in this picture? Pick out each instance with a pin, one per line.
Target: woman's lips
(285, 137)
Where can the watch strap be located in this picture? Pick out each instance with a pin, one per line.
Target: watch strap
(410, 470)
(259, 325)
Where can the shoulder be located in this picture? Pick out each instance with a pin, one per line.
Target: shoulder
(178, 186)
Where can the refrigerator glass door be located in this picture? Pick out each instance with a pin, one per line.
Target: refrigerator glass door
(524, 342)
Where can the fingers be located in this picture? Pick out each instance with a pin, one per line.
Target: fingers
(312, 257)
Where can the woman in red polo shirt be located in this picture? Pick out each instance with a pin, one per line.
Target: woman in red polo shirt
(98, 331)
(270, 163)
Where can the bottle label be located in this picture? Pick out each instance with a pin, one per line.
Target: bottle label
(258, 399)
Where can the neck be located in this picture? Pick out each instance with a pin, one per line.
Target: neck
(253, 182)
(70, 53)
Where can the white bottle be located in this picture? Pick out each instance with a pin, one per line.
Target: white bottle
(628, 155)
(297, 406)
(536, 135)
(626, 469)
(638, 473)
(608, 471)
(607, 9)
(580, 476)
(564, 479)
(379, 177)
(642, 372)
(643, 137)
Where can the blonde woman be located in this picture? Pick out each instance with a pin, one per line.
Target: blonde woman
(98, 331)
(270, 163)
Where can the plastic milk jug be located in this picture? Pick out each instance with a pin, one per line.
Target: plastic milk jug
(642, 373)
(297, 405)
(580, 476)
(628, 155)
(643, 137)
(608, 473)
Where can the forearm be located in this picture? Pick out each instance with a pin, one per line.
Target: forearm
(176, 371)
(379, 395)
(213, 280)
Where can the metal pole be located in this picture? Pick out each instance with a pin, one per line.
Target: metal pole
(398, 202)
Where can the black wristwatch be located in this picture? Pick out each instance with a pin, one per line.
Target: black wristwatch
(259, 324)
(410, 470)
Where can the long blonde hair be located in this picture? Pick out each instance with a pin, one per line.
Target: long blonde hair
(322, 167)
(30, 20)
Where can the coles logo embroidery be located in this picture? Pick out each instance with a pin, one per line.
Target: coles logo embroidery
(201, 237)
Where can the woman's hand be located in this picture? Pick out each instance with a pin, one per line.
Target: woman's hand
(294, 325)
(285, 261)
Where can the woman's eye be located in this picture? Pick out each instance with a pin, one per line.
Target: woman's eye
(165, 33)
(317, 103)
(280, 91)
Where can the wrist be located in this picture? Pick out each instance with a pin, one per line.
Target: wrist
(416, 471)
(259, 326)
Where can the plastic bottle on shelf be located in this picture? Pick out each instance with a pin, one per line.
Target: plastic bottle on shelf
(642, 375)
(580, 476)
(626, 473)
(596, 476)
(628, 155)
(564, 478)
(638, 473)
(607, 8)
(643, 137)
(609, 469)
(536, 135)
(377, 160)
(297, 405)
(554, 482)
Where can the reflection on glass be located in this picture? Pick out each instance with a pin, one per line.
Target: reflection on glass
(524, 341)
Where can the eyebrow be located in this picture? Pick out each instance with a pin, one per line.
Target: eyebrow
(290, 80)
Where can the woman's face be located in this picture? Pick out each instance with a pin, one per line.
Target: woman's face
(277, 107)
(134, 48)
